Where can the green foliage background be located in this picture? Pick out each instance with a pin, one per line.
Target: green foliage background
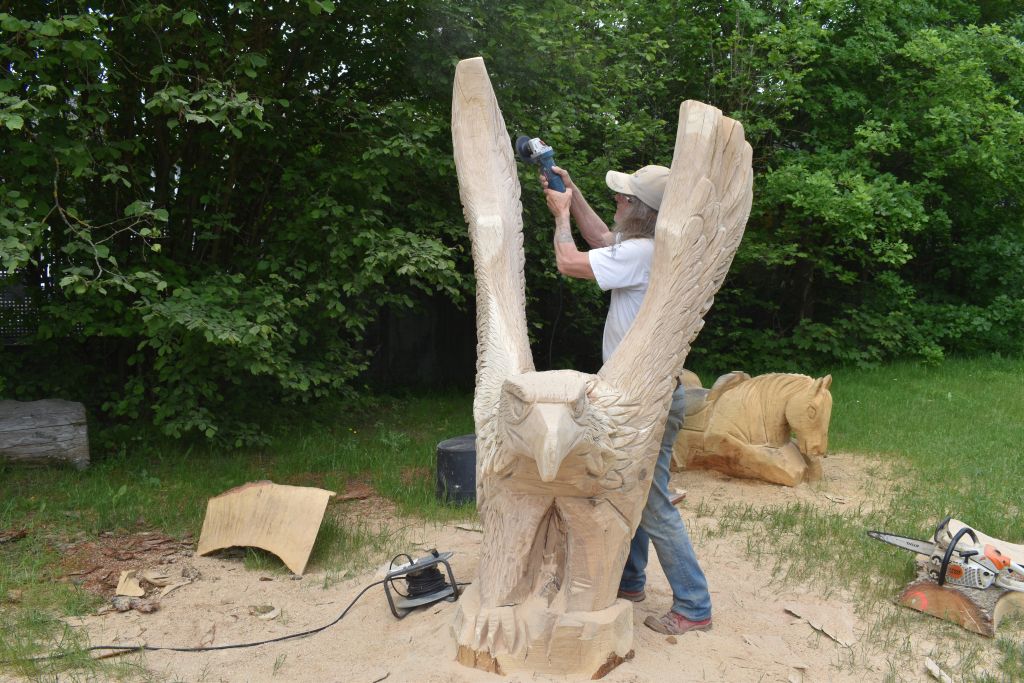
(214, 204)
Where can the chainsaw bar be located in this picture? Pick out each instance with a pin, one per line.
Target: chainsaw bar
(912, 544)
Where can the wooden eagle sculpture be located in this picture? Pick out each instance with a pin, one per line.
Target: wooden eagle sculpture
(565, 458)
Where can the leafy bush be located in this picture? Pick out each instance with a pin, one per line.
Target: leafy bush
(214, 205)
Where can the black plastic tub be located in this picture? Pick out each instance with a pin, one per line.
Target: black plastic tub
(456, 470)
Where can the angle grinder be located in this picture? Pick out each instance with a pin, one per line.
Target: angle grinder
(535, 151)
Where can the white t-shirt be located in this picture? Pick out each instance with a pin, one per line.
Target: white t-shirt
(624, 268)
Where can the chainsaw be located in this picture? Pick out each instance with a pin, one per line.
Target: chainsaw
(969, 564)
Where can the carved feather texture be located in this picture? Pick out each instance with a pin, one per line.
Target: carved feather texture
(489, 189)
(702, 218)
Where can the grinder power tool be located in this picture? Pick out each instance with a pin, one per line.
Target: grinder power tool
(534, 151)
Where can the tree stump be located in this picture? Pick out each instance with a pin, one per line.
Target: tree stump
(976, 610)
(44, 432)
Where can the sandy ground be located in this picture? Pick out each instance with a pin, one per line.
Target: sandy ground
(754, 638)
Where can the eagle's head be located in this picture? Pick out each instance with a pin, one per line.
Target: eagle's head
(549, 418)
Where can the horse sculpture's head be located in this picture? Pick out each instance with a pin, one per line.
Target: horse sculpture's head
(808, 413)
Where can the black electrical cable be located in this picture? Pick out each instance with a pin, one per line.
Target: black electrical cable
(420, 582)
(211, 648)
(425, 582)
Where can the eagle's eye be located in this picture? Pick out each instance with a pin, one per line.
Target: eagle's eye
(518, 408)
(579, 406)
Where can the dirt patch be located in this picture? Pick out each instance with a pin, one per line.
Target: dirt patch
(96, 565)
(355, 490)
(763, 631)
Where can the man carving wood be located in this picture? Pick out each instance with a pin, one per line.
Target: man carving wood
(620, 261)
(565, 459)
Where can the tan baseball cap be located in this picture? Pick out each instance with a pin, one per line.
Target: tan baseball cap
(648, 184)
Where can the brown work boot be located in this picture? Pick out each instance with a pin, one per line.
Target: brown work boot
(674, 624)
(633, 596)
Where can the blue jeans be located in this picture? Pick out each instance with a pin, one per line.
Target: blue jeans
(662, 524)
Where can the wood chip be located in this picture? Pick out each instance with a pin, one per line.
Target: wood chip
(678, 497)
(157, 577)
(474, 529)
(264, 612)
(835, 499)
(207, 639)
(174, 586)
(825, 619)
(936, 671)
(128, 585)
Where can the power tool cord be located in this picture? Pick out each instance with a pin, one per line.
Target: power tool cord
(422, 582)
(211, 648)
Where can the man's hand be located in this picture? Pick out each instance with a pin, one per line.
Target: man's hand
(562, 173)
(559, 202)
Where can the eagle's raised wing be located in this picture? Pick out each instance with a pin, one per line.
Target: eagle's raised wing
(705, 209)
(489, 187)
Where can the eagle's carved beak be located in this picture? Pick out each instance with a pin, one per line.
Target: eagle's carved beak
(550, 434)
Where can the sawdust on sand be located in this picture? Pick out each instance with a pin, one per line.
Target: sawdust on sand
(759, 632)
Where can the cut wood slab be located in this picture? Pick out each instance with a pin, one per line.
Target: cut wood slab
(280, 519)
(44, 432)
(976, 610)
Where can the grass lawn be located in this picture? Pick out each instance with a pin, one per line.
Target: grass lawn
(954, 434)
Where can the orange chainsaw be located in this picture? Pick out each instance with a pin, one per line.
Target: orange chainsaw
(968, 563)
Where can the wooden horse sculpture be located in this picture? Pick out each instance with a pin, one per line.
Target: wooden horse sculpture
(564, 458)
(742, 427)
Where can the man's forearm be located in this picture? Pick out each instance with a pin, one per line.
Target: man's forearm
(563, 233)
(591, 227)
(570, 260)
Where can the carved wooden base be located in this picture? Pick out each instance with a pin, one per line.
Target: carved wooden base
(531, 637)
(785, 465)
(976, 610)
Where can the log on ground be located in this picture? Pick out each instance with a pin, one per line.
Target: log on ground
(44, 432)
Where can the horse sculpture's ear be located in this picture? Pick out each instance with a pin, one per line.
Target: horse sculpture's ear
(826, 382)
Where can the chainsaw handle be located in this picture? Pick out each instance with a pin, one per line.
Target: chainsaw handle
(951, 547)
(998, 560)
